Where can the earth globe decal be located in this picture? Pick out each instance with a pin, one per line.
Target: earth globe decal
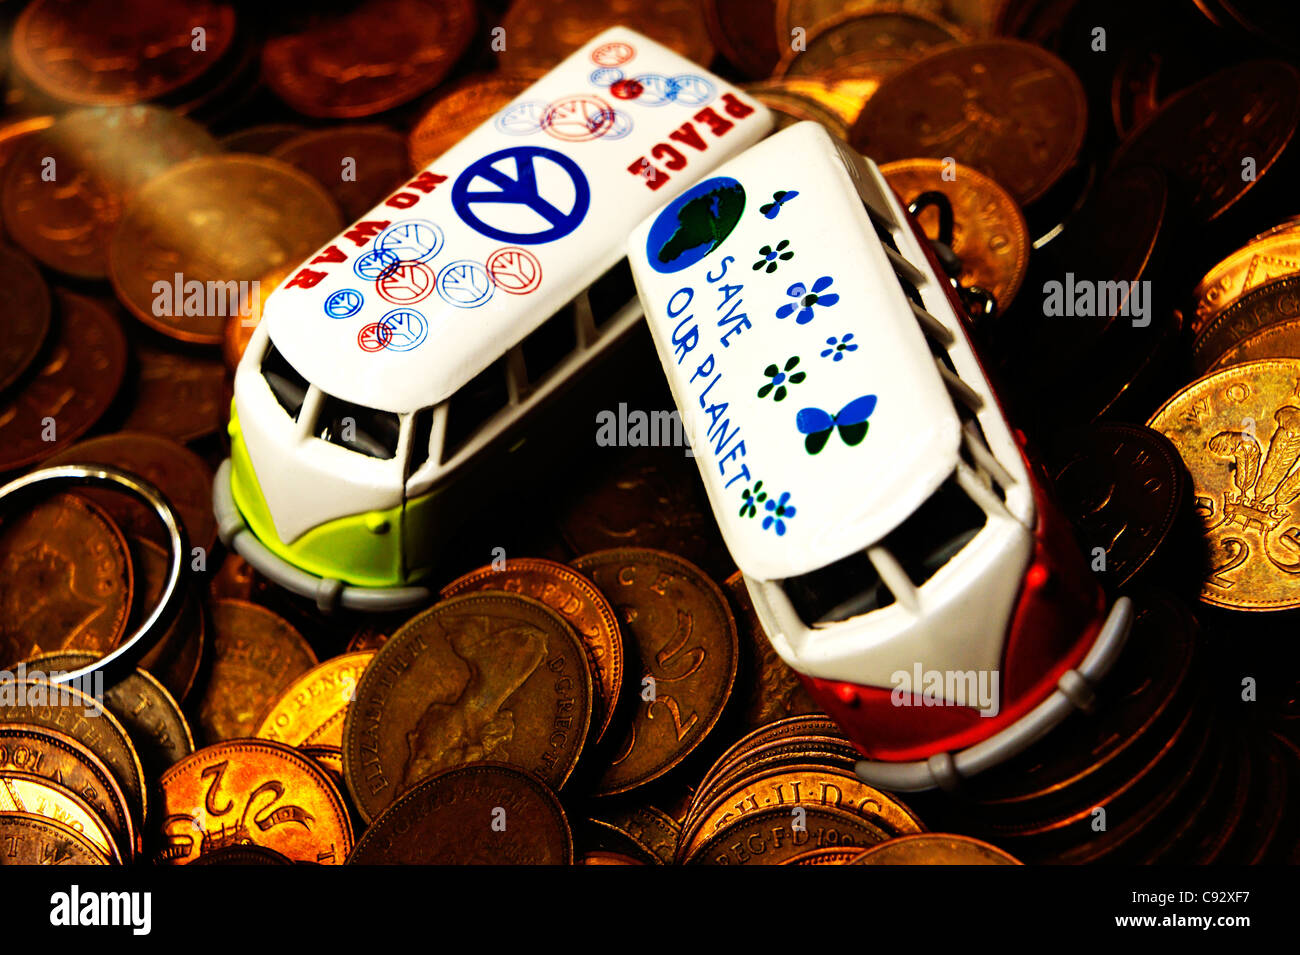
(694, 224)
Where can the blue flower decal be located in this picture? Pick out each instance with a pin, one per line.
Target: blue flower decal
(750, 498)
(771, 256)
(805, 299)
(778, 512)
(779, 378)
(838, 346)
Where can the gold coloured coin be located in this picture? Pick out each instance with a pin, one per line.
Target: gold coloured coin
(311, 709)
(1238, 432)
(1278, 340)
(771, 836)
(27, 792)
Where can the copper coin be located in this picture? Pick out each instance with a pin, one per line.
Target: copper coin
(465, 106)
(34, 701)
(485, 813)
(27, 792)
(72, 390)
(1238, 432)
(577, 600)
(65, 189)
(648, 499)
(145, 709)
(113, 52)
(379, 55)
(649, 827)
(61, 759)
(310, 711)
(829, 856)
(256, 655)
(1275, 301)
(29, 839)
(1200, 136)
(66, 579)
(1276, 340)
(1137, 704)
(242, 855)
(989, 233)
(599, 857)
(744, 31)
(357, 165)
(25, 301)
(175, 470)
(1264, 259)
(195, 239)
(935, 848)
(330, 759)
(865, 47)
(1123, 489)
(1009, 109)
(490, 676)
(179, 396)
(543, 32)
(804, 100)
(252, 791)
(786, 728)
(686, 647)
(805, 785)
(239, 329)
(771, 836)
(176, 657)
(262, 139)
(773, 690)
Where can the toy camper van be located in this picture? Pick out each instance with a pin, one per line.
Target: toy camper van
(412, 346)
(901, 553)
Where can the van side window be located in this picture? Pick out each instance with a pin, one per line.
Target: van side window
(882, 229)
(477, 400)
(848, 587)
(363, 430)
(289, 387)
(935, 532)
(549, 344)
(420, 436)
(611, 292)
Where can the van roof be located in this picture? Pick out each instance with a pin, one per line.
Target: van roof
(793, 354)
(506, 227)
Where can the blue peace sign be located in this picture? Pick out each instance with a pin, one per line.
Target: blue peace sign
(465, 284)
(406, 327)
(691, 90)
(344, 303)
(521, 192)
(411, 240)
(376, 264)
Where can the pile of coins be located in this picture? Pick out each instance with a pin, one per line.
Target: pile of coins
(592, 685)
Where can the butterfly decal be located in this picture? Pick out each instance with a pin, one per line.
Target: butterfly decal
(851, 420)
(779, 198)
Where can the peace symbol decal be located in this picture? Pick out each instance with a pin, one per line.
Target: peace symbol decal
(512, 208)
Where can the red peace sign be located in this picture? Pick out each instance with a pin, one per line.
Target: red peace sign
(515, 270)
(612, 54)
(374, 337)
(578, 119)
(407, 284)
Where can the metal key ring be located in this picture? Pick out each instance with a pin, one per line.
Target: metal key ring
(125, 657)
